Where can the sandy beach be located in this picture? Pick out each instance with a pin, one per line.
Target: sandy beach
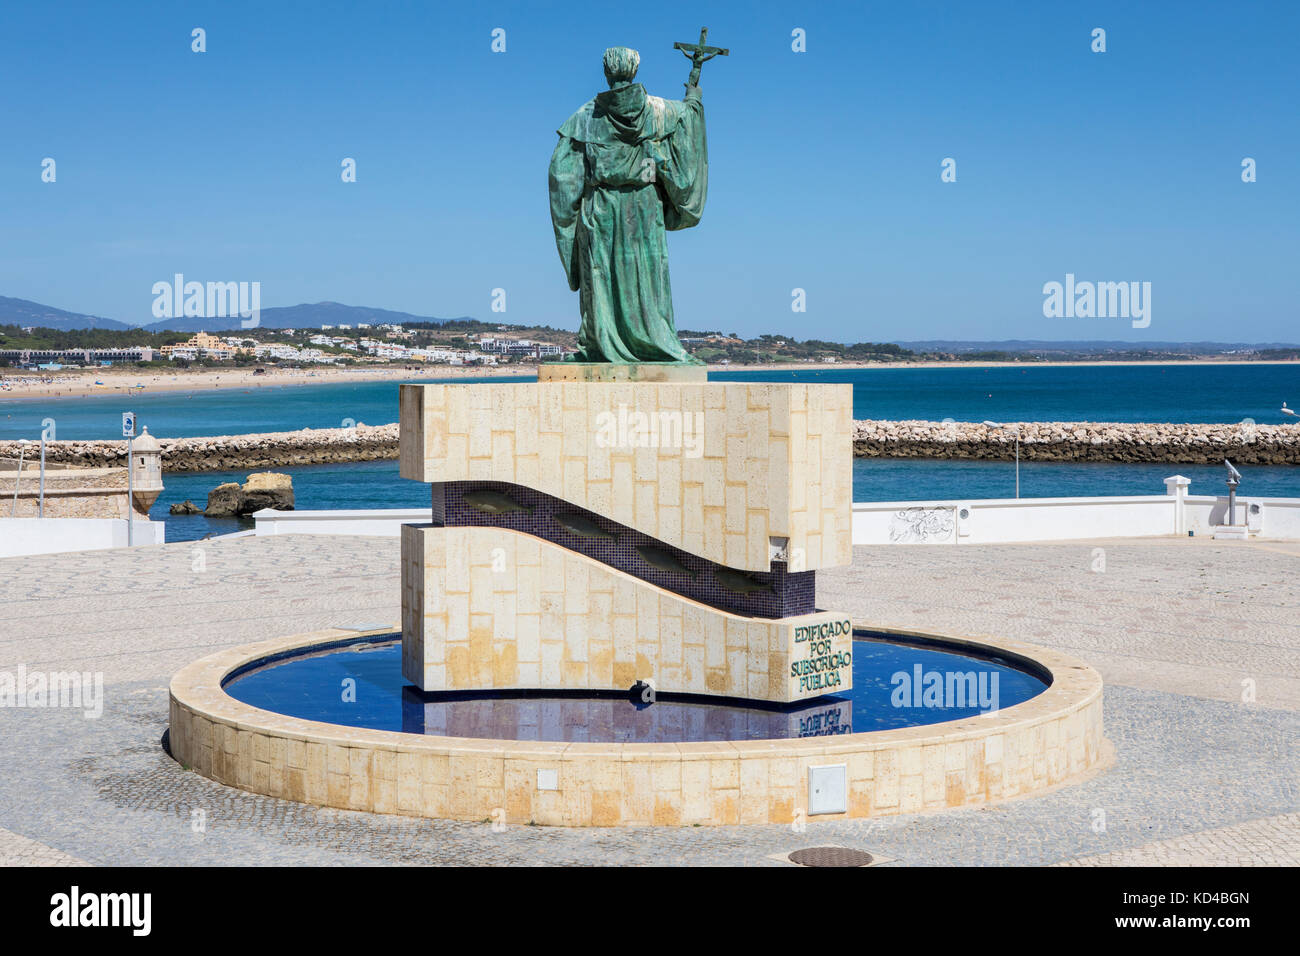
(85, 383)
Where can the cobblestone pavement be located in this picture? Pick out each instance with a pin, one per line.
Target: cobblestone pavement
(17, 850)
(1174, 626)
(1274, 841)
(1188, 616)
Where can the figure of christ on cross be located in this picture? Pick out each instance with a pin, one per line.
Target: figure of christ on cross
(699, 54)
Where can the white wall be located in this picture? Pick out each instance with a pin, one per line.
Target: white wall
(385, 522)
(48, 535)
(1276, 518)
(985, 521)
(989, 521)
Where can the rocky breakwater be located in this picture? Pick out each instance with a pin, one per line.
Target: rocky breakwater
(1243, 443)
(307, 446)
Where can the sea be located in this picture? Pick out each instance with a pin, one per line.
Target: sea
(1115, 393)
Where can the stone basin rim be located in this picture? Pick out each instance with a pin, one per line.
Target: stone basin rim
(199, 688)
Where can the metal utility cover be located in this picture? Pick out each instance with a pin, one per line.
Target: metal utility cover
(828, 789)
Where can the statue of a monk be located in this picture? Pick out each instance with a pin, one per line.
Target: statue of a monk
(628, 167)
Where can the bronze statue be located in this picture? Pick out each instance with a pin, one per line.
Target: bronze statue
(628, 168)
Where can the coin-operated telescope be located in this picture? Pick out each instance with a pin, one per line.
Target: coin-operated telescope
(1234, 479)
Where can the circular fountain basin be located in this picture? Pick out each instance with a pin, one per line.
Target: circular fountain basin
(277, 718)
(895, 684)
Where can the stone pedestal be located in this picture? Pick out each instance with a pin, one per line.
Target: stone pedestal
(1231, 532)
(599, 535)
(605, 372)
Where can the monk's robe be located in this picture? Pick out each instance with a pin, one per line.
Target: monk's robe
(627, 168)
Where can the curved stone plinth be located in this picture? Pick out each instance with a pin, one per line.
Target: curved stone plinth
(490, 607)
(739, 473)
(1049, 740)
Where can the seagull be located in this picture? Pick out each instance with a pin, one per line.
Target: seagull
(1290, 411)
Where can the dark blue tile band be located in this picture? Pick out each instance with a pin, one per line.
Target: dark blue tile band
(792, 592)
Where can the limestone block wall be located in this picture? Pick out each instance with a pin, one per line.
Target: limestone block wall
(737, 473)
(495, 608)
(69, 492)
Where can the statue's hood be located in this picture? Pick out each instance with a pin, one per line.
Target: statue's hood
(625, 114)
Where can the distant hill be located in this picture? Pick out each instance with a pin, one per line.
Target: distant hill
(306, 316)
(24, 313)
(1087, 345)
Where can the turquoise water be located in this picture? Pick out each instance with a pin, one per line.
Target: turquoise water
(887, 693)
(1161, 393)
(267, 408)
(1220, 393)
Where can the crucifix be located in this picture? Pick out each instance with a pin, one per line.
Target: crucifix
(698, 53)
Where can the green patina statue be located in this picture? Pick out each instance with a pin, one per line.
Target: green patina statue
(628, 167)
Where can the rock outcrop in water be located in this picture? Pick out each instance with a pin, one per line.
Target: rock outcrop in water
(223, 501)
(1040, 441)
(266, 489)
(263, 490)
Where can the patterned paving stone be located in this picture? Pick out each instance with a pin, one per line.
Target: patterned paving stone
(1274, 841)
(1196, 768)
(1190, 616)
(17, 850)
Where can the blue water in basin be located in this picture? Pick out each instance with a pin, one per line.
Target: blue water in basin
(361, 685)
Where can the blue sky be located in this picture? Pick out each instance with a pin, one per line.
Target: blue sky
(825, 165)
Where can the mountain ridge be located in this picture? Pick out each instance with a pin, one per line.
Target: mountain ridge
(24, 312)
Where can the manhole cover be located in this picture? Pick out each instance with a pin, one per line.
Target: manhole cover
(830, 856)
